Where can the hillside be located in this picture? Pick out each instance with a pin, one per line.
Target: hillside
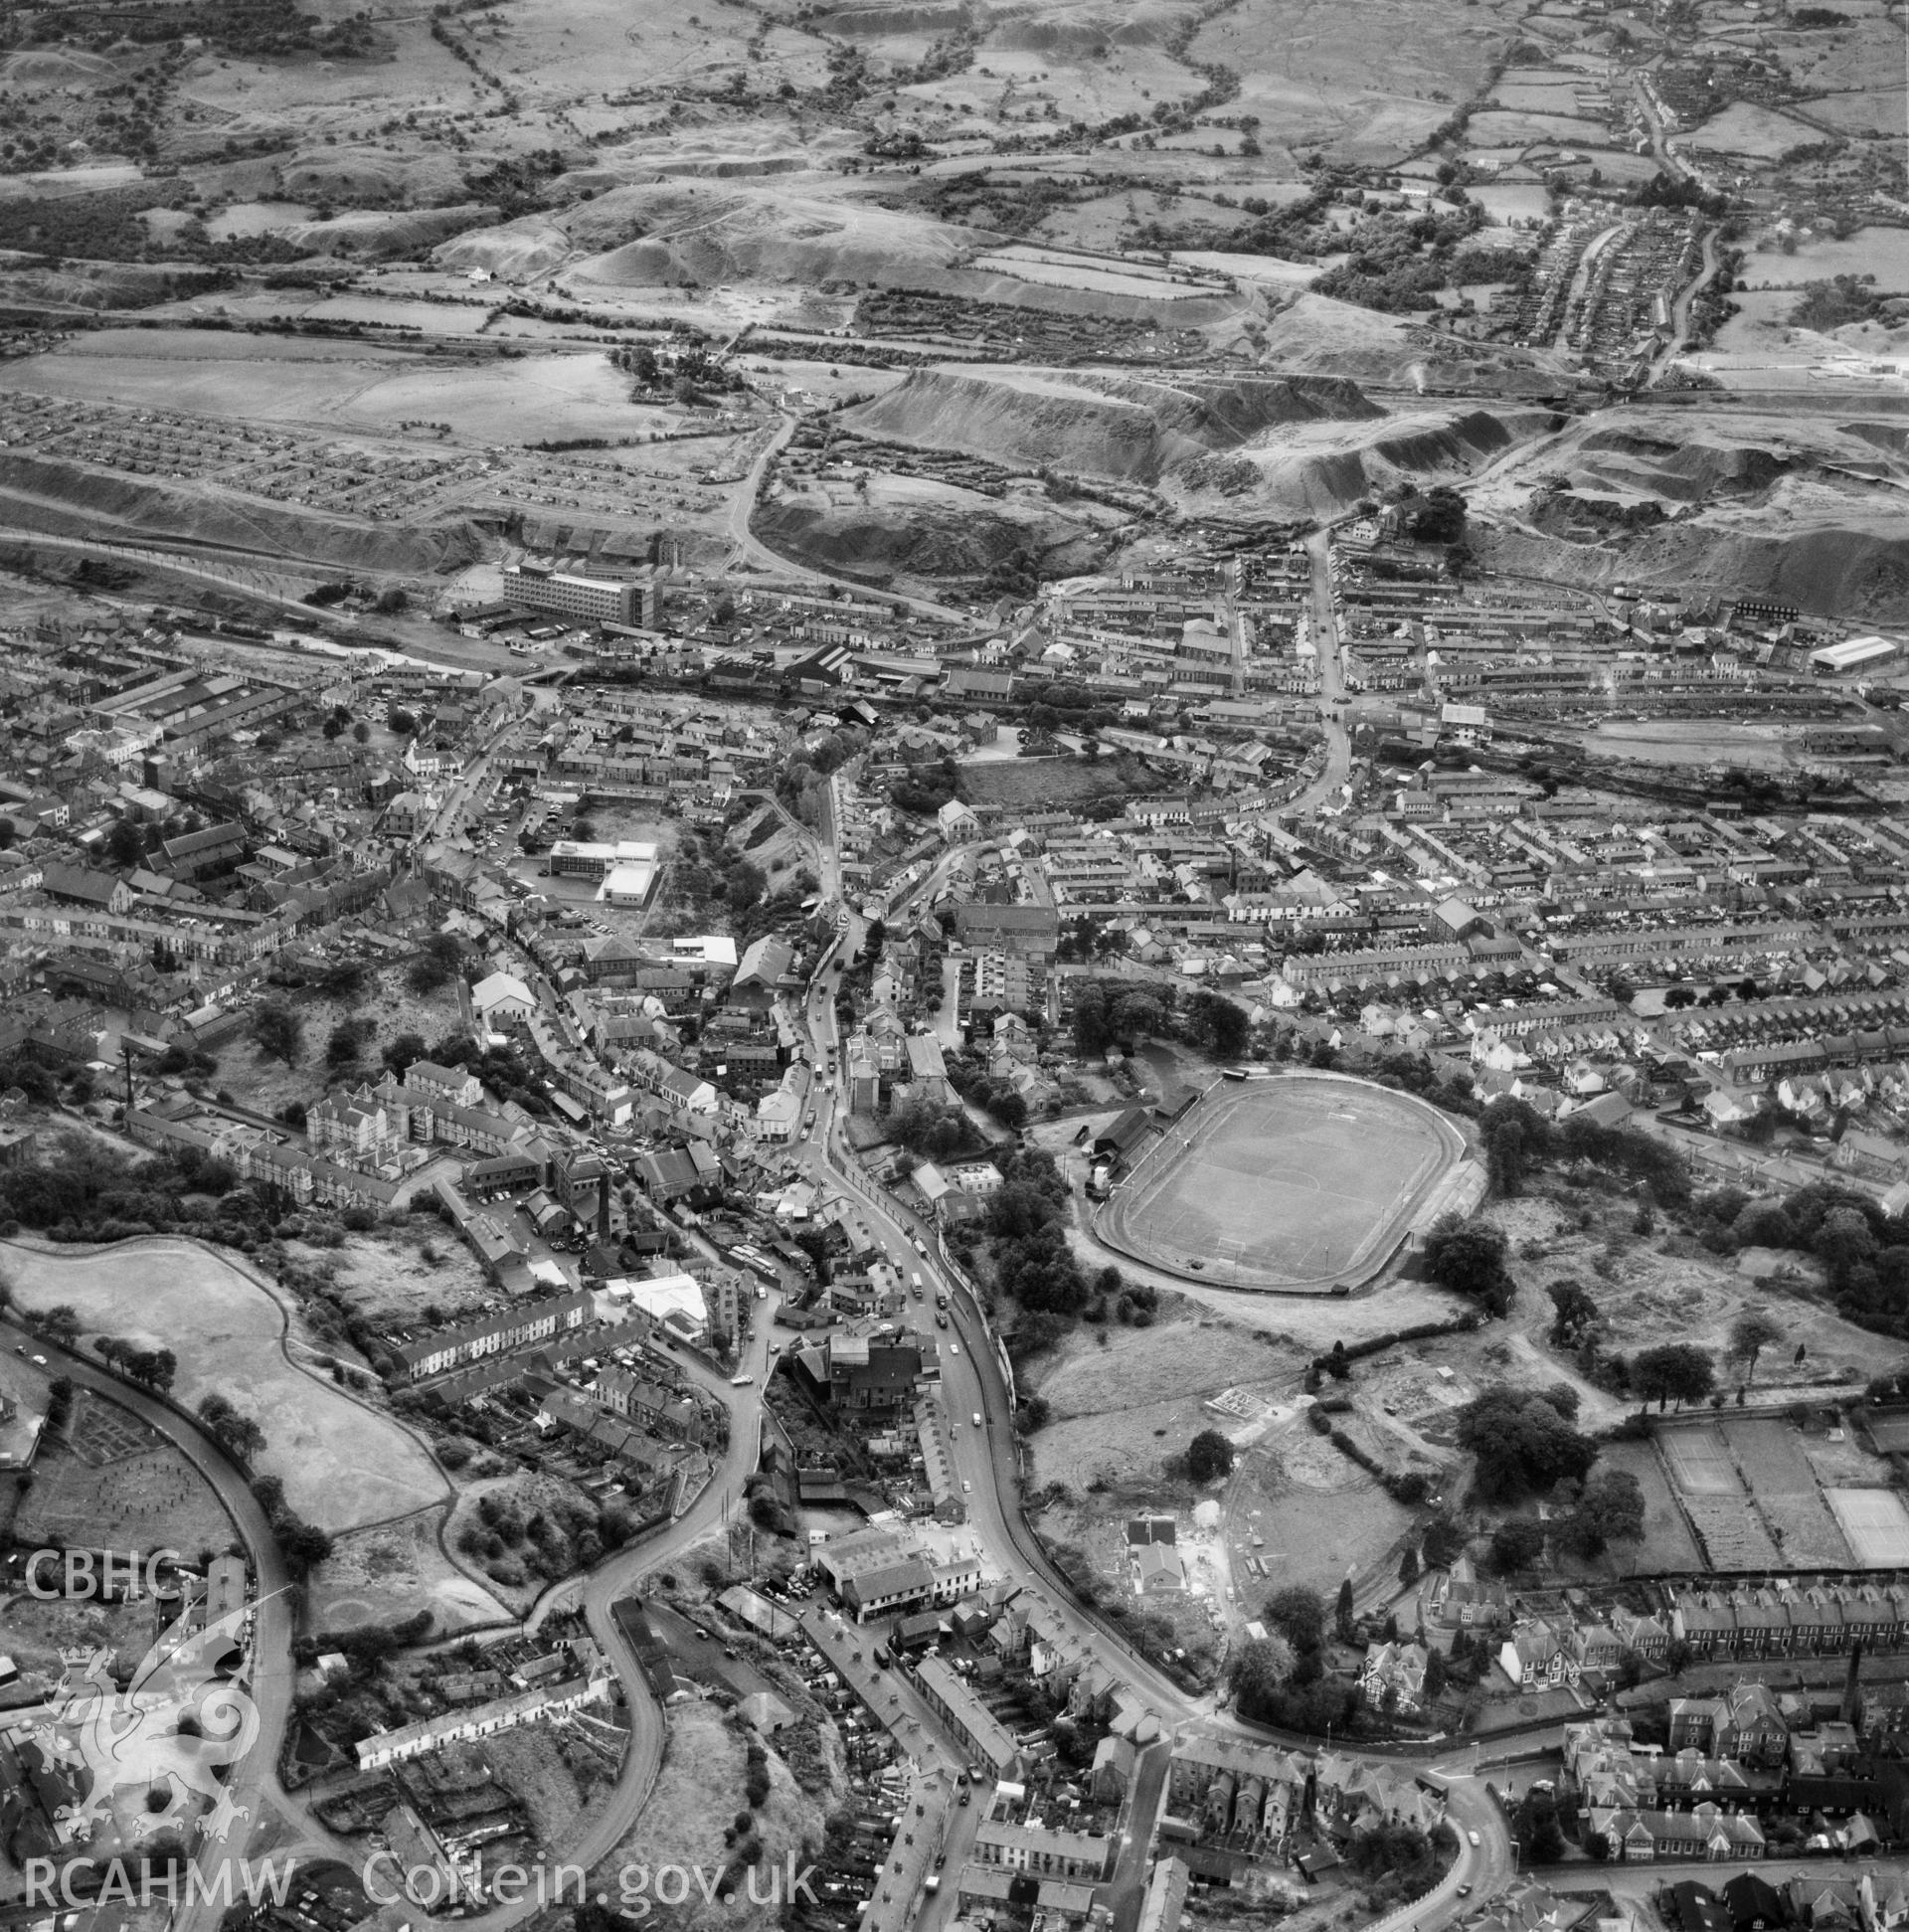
(1322, 470)
(1130, 429)
(665, 233)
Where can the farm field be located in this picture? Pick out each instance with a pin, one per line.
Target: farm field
(1366, 83)
(343, 1465)
(1527, 129)
(1755, 134)
(1287, 1183)
(1881, 252)
(1512, 201)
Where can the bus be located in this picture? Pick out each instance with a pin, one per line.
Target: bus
(755, 1259)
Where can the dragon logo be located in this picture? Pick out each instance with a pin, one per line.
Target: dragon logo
(174, 1728)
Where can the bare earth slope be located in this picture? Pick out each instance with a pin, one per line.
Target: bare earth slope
(1126, 427)
(1777, 505)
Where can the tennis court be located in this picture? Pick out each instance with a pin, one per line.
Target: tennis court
(1876, 1524)
(1302, 1181)
(1699, 1461)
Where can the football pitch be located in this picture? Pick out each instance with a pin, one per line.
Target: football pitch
(1300, 1182)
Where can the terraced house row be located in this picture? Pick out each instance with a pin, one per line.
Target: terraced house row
(1815, 1620)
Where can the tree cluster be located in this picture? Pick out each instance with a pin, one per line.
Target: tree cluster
(1524, 1441)
(1108, 1013)
(1469, 1258)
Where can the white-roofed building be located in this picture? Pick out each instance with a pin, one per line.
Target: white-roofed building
(500, 997)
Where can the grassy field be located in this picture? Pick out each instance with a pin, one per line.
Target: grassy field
(344, 1466)
(1119, 1410)
(1319, 1516)
(1282, 1183)
(1754, 133)
(1668, 1543)
(1881, 252)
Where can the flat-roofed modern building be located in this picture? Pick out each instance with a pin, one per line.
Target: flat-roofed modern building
(594, 600)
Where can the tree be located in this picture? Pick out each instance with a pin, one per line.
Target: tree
(1444, 1540)
(1536, 1828)
(1523, 1441)
(59, 1323)
(1434, 1673)
(1608, 1510)
(1216, 1023)
(1298, 1614)
(1467, 1257)
(1517, 1544)
(1677, 1371)
(443, 956)
(404, 1050)
(278, 1032)
(238, 1435)
(1257, 1671)
(1344, 1611)
(1575, 1312)
(1844, 1243)
(154, 1366)
(1504, 1158)
(341, 1049)
(1138, 1017)
(125, 847)
(1208, 1455)
(1409, 1565)
(1750, 1335)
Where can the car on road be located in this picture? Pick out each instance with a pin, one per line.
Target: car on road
(953, 1347)
(1465, 1892)
(968, 1488)
(941, 1321)
(1474, 1836)
(977, 1418)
